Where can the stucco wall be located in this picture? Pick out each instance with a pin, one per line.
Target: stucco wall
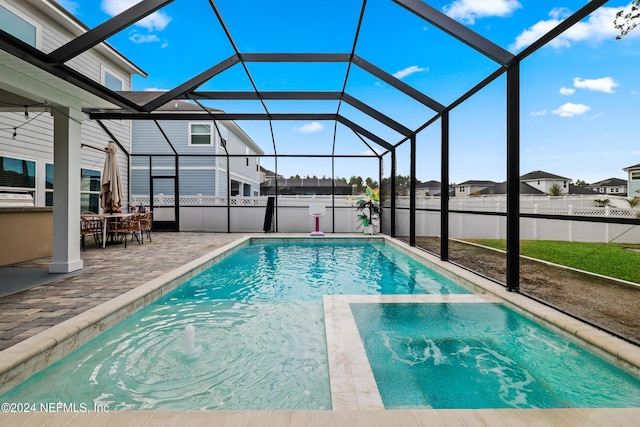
(25, 234)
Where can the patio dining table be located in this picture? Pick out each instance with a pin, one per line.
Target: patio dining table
(105, 219)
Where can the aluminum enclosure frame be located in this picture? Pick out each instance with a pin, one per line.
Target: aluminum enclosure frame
(507, 62)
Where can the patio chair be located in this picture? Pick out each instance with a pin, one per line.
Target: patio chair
(145, 223)
(124, 227)
(90, 226)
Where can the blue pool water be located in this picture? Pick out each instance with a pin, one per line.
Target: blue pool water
(479, 355)
(258, 339)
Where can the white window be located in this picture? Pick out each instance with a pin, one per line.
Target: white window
(246, 151)
(200, 134)
(635, 175)
(111, 81)
(18, 26)
(222, 138)
(89, 190)
(17, 175)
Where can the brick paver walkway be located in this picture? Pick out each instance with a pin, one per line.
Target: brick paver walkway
(107, 273)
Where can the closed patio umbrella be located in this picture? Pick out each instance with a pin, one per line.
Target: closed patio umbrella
(111, 187)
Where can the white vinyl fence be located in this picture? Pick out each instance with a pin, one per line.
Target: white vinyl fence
(209, 213)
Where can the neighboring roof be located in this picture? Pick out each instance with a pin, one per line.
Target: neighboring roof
(304, 182)
(182, 106)
(478, 183)
(577, 189)
(611, 182)
(501, 188)
(429, 184)
(535, 175)
(628, 168)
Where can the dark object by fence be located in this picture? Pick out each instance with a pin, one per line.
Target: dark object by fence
(268, 215)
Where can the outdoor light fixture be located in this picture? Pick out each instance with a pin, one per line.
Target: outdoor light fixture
(26, 113)
(15, 133)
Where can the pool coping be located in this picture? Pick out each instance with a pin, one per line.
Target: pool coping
(34, 354)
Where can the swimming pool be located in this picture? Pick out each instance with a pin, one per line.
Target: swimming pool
(258, 340)
(164, 358)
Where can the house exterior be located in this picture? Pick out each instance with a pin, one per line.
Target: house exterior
(544, 181)
(612, 186)
(26, 139)
(472, 187)
(429, 188)
(633, 180)
(201, 148)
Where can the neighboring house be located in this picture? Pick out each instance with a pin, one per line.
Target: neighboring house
(266, 174)
(26, 138)
(201, 147)
(633, 180)
(305, 186)
(472, 188)
(544, 181)
(613, 186)
(429, 188)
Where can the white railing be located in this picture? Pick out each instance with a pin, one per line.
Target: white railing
(205, 200)
(209, 213)
(546, 205)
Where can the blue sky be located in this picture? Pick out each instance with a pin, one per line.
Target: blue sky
(579, 95)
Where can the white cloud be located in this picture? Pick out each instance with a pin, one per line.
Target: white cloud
(468, 11)
(570, 109)
(310, 127)
(408, 71)
(141, 38)
(157, 21)
(538, 113)
(598, 26)
(605, 84)
(567, 91)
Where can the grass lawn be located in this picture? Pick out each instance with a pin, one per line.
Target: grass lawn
(615, 260)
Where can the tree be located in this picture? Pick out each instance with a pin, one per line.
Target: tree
(627, 19)
(634, 202)
(357, 183)
(555, 190)
(581, 183)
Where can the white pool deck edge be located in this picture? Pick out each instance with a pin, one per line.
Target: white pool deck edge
(355, 398)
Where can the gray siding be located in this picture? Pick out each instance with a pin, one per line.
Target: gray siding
(201, 172)
(140, 183)
(194, 182)
(35, 138)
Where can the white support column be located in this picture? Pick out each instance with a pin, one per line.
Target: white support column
(66, 194)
